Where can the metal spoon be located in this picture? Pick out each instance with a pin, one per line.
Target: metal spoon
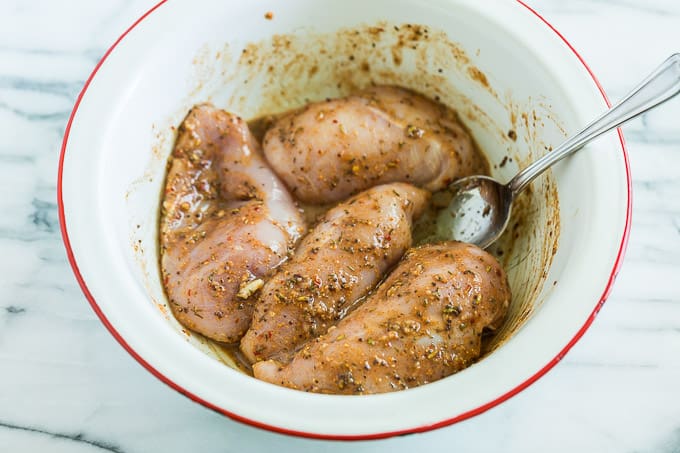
(480, 208)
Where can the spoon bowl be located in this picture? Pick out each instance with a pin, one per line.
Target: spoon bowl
(478, 212)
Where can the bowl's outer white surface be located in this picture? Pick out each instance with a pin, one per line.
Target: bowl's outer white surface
(142, 82)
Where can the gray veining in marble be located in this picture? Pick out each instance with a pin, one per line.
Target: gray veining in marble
(67, 386)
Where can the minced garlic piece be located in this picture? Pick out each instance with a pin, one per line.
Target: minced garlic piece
(247, 289)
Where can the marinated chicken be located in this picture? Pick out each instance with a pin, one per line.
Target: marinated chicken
(423, 323)
(329, 150)
(336, 264)
(227, 221)
(335, 310)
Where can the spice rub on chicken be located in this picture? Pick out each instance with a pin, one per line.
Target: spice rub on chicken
(336, 264)
(226, 222)
(327, 151)
(423, 323)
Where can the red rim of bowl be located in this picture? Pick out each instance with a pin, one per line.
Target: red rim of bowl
(418, 429)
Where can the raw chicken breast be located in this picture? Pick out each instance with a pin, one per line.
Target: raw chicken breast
(337, 263)
(329, 150)
(423, 323)
(226, 222)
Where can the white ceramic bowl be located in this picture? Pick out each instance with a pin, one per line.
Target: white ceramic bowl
(497, 62)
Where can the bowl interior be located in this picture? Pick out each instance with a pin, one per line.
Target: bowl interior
(517, 88)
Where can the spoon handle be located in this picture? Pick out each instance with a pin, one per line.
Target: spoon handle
(658, 87)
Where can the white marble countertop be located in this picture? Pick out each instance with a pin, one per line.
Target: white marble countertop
(67, 386)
